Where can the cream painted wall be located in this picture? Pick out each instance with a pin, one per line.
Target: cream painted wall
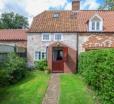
(35, 43)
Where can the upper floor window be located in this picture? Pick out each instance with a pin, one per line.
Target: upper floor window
(96, 23)
(45, 37)
(58, 37)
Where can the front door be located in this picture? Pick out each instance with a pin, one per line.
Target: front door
(58, 60)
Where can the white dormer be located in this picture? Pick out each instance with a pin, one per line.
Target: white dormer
(96, 23)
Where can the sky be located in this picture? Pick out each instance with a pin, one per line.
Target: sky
(31, 8)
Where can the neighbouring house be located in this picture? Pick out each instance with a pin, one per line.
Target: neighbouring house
(12, 40)
(60, 36)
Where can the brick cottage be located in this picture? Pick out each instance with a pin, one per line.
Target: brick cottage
(60, 36)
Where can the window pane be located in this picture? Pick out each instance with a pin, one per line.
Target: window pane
(46, 37)
(98, 26)
(93, 25)
(37, 55)
(58, 37)
(43, 55)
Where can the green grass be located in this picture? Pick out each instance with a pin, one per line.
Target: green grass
(74, 90)
(29, 91)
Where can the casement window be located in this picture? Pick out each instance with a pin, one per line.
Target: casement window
(96, 24)
(46, 37)
(40, 55)
(58, 37)
(37, 55)
(43, 55)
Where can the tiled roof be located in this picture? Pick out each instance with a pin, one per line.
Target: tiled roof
(45, 22)
(70, 21)
(107, 16)
(13, 34)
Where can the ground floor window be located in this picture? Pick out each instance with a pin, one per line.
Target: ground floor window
(40, 55)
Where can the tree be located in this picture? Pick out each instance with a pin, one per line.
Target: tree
(13, 21)
(108, 5)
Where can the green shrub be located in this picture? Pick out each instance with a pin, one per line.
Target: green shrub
(97, 67)
(16, 67)
(41, 65)
(3, 77)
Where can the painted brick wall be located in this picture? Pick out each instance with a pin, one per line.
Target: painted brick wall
(34, 43)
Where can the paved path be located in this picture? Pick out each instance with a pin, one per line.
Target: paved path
(52, 94)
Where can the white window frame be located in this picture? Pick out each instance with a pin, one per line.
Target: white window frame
(46, 39)
(58, 34)
(100, 24)
(39, 57)
(36, 56)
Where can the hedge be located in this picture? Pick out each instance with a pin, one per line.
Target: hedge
(97, 68)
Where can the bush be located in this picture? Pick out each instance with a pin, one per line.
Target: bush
(16, 67)
(41, 65)
(3, 77)
(97, 67)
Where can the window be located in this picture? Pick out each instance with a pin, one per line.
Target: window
(37, 55)
(96, 23)
(58, 37)
(56, 15)
(43, 55)
(46, 37)
(40, 55)
(93, 25)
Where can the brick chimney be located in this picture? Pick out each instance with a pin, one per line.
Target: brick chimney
(75, 5)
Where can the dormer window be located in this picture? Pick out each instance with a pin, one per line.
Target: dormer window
(56, 15)
(96, 24)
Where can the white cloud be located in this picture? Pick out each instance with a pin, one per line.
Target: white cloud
(37, 6)
(90, 4)
(1, 4)
(68, 6)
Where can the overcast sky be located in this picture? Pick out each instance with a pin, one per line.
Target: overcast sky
(30, 8)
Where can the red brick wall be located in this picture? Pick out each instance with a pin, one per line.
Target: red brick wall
(70, 64)
(96, 40)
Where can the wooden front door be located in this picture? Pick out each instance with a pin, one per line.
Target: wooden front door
(58, 60)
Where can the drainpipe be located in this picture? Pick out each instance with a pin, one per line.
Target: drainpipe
(77, 54)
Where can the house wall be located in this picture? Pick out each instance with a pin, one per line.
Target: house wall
(9, 46)
(35, 43)
(94, 41)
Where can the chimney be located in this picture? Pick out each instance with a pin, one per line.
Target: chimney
(75, 5)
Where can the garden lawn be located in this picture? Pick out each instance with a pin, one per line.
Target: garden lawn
(74, 90)
(29, 91)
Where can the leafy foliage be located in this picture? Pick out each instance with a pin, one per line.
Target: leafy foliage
(41, 65)
(108, 5)
(97, 67)
(14, 69)
(13, 21)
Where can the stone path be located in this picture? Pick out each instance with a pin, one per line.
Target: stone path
(52, 94)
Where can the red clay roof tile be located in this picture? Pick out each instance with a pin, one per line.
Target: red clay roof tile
(13, 34)
(70, 21)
